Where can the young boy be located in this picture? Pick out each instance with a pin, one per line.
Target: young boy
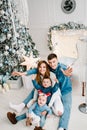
(37, 108)
(63, 75)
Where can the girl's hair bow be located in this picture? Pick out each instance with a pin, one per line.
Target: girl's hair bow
(45, 94)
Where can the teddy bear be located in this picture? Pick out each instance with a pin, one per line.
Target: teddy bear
(29, 121)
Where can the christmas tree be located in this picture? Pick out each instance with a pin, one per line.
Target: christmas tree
(15, 41)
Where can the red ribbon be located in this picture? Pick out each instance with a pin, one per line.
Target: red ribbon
(45, 94)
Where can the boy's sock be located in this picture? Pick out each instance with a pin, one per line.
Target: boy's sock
(17, 108)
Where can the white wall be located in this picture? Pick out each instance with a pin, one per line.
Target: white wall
(23, 12)
(46, 13)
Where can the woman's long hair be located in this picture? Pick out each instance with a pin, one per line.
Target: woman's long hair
(47, 73)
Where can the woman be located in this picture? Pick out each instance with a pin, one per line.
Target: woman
(41, 71)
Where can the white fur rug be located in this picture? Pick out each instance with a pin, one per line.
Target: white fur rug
(78, 120)
(16, 96)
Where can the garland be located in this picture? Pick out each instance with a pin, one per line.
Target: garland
(62, 27)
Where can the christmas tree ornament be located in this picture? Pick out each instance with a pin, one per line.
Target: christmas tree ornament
(1, 64)
(2, 12)
(9, 35)
(6, 47)
(6, 53)
(2, 38)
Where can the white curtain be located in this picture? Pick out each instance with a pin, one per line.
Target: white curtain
(23, 11)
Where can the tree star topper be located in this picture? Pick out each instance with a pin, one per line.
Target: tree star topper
(30, 62)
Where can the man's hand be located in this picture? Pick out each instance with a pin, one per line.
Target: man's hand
(56, 80)
(48, 115)
(67, 72)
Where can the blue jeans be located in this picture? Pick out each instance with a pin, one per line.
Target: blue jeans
(23, 116)
(42, 121)
(29, 97)
(67, 103)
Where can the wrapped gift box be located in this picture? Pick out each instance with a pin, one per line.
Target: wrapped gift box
(15, 84)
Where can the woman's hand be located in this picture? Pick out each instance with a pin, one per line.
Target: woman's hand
(15, 73)
(33, 76)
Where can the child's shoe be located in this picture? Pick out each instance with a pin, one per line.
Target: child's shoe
(12, 117)
(38, 128)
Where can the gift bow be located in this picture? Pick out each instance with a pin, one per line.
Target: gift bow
(45, 94)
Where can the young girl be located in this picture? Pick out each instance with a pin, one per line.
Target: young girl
(35, 110)
(34, 113)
